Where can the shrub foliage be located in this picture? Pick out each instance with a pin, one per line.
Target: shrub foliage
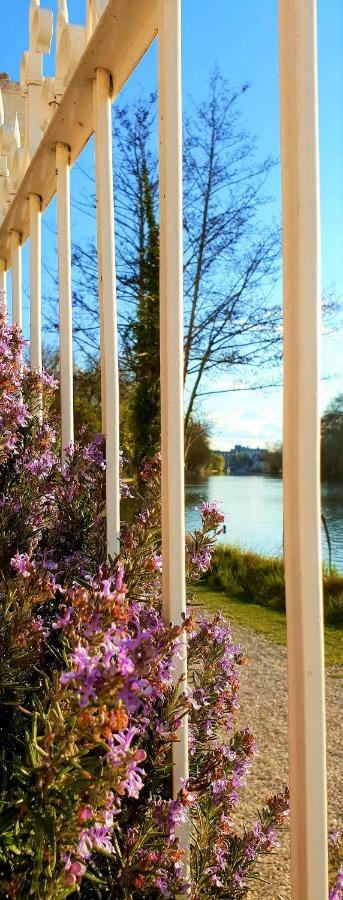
(261, 579)
(89, 707)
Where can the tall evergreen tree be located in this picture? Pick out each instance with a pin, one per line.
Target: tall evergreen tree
(145, 330)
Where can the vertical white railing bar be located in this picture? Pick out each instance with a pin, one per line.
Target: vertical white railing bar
(65, 295)
(301, 465)
(171, 329)
(100, 281)
(3, 276)
(17, 305)
(107, 292)
(35, 282)
(35, 287)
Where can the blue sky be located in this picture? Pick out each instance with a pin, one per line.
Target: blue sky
(242, 39)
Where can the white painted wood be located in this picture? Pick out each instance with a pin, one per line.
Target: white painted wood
(35, 283)
(36, 291)
(107, 275)
(171, 318)
(115, 45)
(94, 9)
(100, 281)
(65, 295)
(91, 19)
(3, 277)
(301, 459)
(62, 21)
(31, 74)
(17, 305)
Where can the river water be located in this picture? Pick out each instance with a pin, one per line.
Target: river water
(252, 505)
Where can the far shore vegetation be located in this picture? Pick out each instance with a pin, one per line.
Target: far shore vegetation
(254, 579)
(201, 460)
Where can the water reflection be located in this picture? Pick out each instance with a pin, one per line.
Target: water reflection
(253, 512)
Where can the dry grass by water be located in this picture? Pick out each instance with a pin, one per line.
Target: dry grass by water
(266, 621)
(257, 579)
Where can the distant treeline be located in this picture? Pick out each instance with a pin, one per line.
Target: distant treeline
(332, 441)
(200, 459)
(331, 446)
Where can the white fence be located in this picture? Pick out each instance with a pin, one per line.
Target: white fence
(61, 113)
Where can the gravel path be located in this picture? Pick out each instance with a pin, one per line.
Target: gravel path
(263, 698)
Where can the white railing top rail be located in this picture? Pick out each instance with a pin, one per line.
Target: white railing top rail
(61, 109)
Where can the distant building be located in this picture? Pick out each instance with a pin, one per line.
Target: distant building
(242, 460)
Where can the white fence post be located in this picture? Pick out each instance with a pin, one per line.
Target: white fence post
(171, 319)
(17, 310)
(2, 275)
(36, 290)
(35, 283)
(65, 295)
(106, 262)
(301, 465)
(97, 156)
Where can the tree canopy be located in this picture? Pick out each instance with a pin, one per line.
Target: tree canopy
(231, 259)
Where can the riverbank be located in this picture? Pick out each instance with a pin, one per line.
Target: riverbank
(253, 510)
(253, 578)
(269, 623)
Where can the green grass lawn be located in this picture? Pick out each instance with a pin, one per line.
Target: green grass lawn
(268, 622)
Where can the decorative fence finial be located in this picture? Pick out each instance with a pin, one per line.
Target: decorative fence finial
(63, 9)
(94, 10)
(70, 44)
(62, 19)
(31, 73)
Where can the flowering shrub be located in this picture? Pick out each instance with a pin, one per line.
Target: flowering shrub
(88, 705)
(336, 865)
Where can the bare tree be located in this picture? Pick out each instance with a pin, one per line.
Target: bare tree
(231, 260)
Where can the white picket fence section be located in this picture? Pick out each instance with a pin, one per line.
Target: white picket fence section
(61, 113)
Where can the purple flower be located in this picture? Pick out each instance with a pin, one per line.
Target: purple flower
(62, 621)
(125, 663)
(86, 675)
(73, 870)
(257, 830)
(162, 886)
(201, 559)
(132, 783)
(155, 563)
(21, 563)
(49, 380)
(94, 452)
(106, 587)
(211, 515)
(238, 877)
(336, 892)
(219, 787)
(95, 838)
(271, 837)
(40, 465)
(119, 578)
